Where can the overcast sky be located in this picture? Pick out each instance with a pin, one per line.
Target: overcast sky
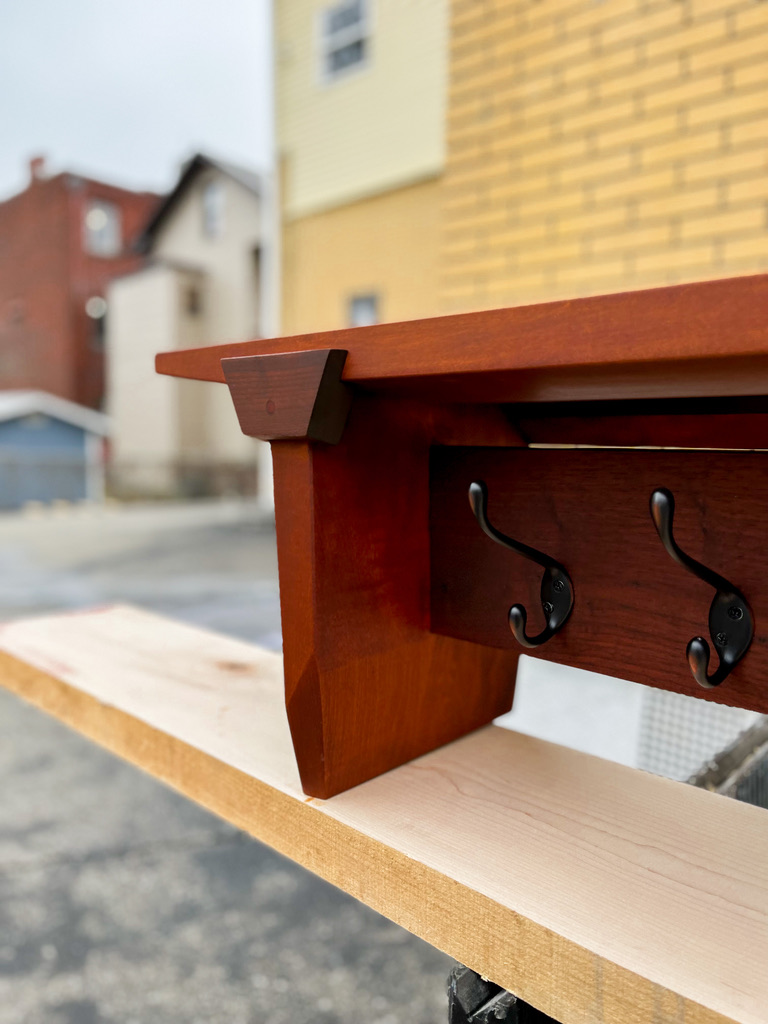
(123, 90)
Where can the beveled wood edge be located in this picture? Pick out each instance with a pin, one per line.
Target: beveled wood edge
(271, 394)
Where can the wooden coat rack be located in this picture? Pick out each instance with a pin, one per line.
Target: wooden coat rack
(395, 603)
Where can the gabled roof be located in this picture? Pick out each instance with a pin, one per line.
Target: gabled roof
(194, 166)
(247, 178)
(14, 404)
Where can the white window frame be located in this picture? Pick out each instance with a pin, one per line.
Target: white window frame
(213, 207)
(331, 41)
(359, 300)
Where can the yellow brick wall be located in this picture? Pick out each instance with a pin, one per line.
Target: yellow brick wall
(387, 245)
(597, 146)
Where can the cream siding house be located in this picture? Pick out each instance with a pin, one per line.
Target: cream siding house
(360, 93)
(201, 285)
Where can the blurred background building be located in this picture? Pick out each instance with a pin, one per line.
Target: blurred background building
(200, 283)
(50, 450)
(61, 241)
(361, 92)
(94, 281)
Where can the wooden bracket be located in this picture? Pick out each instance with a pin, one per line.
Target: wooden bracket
(290, 395)
(367, 684)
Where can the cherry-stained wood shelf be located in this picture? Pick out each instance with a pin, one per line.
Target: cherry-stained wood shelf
(394, 604)
(708, 339)
(600, 894)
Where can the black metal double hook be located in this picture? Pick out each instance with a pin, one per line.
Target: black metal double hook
(556, 586)
(731, 625)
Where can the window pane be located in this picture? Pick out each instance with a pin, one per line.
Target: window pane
(344, 37)
(346, 56)
(213, 209)
(344, 16)
(363, 310)
(102, 229)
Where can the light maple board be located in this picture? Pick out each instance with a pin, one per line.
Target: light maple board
(597, 893)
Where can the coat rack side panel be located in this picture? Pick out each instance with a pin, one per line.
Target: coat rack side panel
(368, 686)
(635, 609)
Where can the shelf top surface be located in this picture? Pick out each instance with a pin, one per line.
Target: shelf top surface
(702, 340)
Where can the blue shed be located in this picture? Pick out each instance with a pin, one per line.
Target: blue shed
(50, 449)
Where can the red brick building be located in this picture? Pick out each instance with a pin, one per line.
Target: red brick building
(61, 241)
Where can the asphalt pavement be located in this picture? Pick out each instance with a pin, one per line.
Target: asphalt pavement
(120, 901)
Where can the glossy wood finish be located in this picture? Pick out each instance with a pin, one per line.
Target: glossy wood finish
(386, 658)
(597, 893)
(708, 339)
(368, 686)
(290, 395)
(635, 609)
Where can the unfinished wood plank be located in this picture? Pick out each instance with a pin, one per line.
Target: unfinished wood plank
(600, 894)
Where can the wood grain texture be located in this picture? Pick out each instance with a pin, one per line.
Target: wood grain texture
(634, 609)
(367, 685)
(599, 894)
(291, 395)
(701, 340)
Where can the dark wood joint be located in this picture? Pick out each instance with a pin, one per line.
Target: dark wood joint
(290, 395)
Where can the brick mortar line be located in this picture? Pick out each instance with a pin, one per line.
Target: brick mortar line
(507, 178)
(620, 228)
(488, 159)
(551, 252)
(465, 125)
(497, 28)
(645, 67)
(650, 85)
(552, 167)
(607, 230)
(760, 204)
